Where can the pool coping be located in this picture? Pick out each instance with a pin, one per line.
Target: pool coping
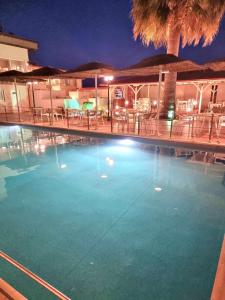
(218, 292)
(198, 146)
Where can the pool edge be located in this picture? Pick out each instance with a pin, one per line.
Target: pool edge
(201, 146)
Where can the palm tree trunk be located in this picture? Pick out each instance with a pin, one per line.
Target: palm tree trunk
(169, 95)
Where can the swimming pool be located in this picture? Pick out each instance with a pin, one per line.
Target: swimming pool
(109, 219)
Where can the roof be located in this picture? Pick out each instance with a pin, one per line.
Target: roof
(17, 41)
(216, 65)
(16, 75)
(204, 75)
(45, 72)
(164, 62)
(90, 70)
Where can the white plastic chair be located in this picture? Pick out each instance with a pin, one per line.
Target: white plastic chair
(221, 124)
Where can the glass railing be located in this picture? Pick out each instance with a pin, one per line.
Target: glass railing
(204, 127)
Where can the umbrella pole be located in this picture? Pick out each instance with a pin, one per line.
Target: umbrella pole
(17, 100)
(50, 91)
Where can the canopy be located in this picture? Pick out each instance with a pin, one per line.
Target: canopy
(164, 63)
(13, 75)
(216, 65)
(191, 76)
(45, 72)
(90, 70)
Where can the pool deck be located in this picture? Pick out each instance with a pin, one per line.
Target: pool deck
(218, 292)
(7, 292)
(196, 143)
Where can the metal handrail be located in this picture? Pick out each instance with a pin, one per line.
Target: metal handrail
(36, 278)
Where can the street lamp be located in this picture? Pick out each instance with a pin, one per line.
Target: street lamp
(108, 79)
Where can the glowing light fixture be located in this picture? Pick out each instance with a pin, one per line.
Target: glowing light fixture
(103, 176)
(158, 189)
(109, 78)
(195, 102)
(63, 166)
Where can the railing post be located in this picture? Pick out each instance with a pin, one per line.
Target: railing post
(50, 118)
(171, 128)
(111, 121)
(6, 117)
(67, 118)
(96, 119)
(33, 114)
(139, 124)
(211, 128)
(192, 127)
(18, 109)
(88, 120)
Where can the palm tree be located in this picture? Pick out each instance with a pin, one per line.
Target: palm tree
(171, 22)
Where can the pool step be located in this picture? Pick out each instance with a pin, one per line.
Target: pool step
(7, 292)
(218, 292)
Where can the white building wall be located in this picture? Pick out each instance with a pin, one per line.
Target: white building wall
(221, 93)
(8, 97)
(13, 53)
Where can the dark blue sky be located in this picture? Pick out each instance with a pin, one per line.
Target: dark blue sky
(71, 32)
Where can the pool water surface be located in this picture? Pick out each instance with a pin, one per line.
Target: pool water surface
(109, 219)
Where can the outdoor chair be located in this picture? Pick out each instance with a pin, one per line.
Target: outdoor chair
(75, 114)
(94, 117)
(221, 124)
(58, 113)
(183, 125)
(100, 116)
(45, 114)
(88, 117)
(120, 117)
(148, 123)
(41, 113)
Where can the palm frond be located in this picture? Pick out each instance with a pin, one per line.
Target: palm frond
(195, 19)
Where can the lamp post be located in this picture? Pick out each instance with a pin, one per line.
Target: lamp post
(108, 79)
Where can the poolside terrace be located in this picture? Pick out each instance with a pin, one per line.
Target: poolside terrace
(191, 122)
(205, 130)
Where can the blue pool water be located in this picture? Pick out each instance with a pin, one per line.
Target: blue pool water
(109, 219)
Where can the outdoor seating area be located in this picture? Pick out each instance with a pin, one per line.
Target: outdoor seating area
(123, 106)
(205, 127)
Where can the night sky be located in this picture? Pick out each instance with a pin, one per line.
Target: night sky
(72, 32)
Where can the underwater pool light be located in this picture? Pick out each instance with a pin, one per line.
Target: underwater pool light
(126, 142)
(109, 161)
